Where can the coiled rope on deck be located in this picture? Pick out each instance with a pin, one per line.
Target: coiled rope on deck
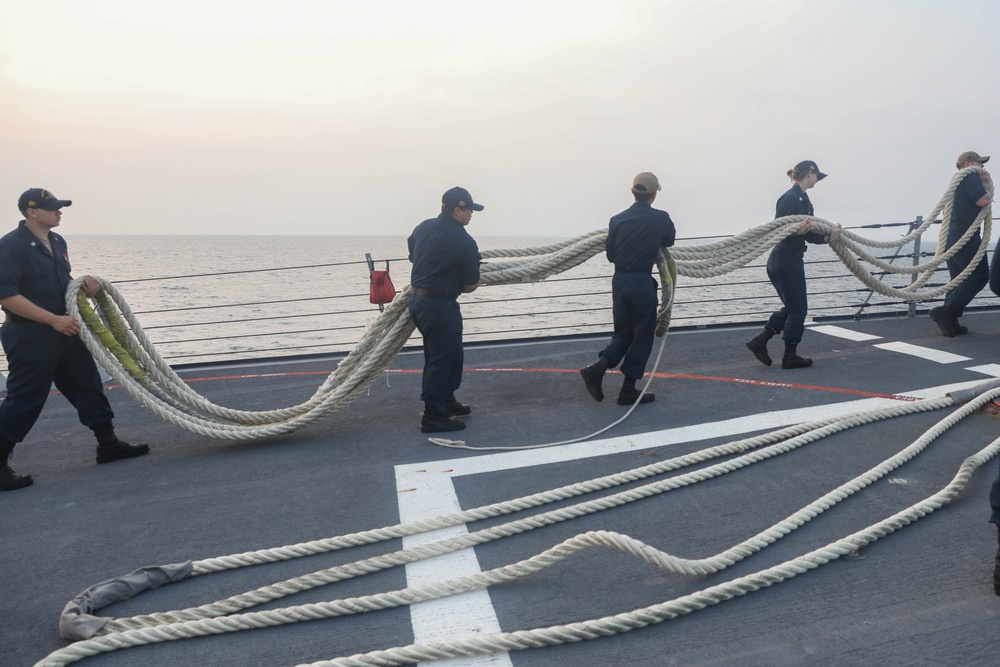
(122, 348)
(229, 615)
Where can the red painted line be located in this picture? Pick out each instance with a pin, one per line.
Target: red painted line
(573, 371)
(674, 376)
(713, 378)
(789, 385)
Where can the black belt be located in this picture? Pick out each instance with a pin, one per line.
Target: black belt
(627, 270)
(434, 294)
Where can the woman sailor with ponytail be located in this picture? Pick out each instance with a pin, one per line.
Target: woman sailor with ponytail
(786, 271)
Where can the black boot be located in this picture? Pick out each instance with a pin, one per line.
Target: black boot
(793, 360)
(10, 480)
(431, 423)
(758, 345)
(947, 319)
(110, 448)
(629, 394)
(593, 376)
(457, 409)
(996, 566)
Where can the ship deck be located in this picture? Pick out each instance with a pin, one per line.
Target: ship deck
(921, 596)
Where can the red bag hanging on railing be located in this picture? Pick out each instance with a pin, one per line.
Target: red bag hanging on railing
(382, 290)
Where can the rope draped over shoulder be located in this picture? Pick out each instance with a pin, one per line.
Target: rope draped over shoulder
(122, 348)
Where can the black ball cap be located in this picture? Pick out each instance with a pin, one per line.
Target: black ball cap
(40, 198)
(459, 198)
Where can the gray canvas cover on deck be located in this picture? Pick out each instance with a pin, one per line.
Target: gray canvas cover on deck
(77, 620)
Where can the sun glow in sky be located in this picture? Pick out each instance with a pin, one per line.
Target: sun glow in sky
(331, 117)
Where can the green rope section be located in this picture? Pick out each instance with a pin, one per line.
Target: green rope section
(667, 267)
(112, 338)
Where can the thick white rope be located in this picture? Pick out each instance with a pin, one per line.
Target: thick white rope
(158, 388)
(220, 616)
(223, 617)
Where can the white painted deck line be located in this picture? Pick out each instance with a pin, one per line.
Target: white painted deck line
(923, 352)
(841, 332)
(426, 490)
(993, 370)
(441, 619)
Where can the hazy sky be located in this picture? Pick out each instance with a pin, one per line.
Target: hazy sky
(330, 117)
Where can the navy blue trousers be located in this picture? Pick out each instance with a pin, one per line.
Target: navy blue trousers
(995, 274)
(37, 357)
(633, 307)
(965, 291)
(440, 323)
(995, 501)
(787, 273)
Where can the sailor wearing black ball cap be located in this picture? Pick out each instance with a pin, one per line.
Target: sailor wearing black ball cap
(41, 341)
(786, 271)
(445, 264)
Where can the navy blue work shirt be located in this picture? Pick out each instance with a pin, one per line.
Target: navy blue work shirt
(968, 192)
(27, 268)
(445, 257)
(635, 236)
(796, 202)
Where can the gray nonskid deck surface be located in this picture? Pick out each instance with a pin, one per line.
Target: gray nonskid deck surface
(919, 597)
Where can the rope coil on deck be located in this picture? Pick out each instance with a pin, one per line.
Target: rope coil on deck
(229, 615)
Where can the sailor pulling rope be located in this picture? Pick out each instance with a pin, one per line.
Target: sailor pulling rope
(99, 635)
(123, 349)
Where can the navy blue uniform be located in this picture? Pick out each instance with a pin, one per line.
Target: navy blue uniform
(634, 237)
(445, 259)
(786, 271)
(37, 354)
(995, 501)
(963, 214)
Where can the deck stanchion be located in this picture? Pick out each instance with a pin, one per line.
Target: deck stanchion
(911, 310)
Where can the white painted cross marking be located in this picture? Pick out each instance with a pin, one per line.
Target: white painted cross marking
(426, 490)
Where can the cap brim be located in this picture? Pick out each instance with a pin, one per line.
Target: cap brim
(476, 207)
(54, 204)
(820, 175)
(984, 159)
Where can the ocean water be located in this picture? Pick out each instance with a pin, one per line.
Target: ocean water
(301, 294)
(207, 298)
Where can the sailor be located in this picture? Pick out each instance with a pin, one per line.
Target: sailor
(635, 236)
(970, 198)
(40, 339)
(786, 271)
(445, 264)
